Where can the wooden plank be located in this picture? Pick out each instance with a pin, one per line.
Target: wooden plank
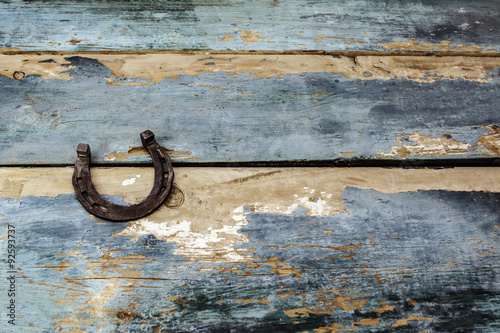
(451, 25)
(246, 108)
(302, 250)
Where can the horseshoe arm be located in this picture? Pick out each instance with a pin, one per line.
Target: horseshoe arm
(95, 204)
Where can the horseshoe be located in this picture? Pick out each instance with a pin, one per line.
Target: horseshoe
(95, 204)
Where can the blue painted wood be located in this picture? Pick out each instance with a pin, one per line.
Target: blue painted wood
(309, 116)
(249, 25)
(430, 257)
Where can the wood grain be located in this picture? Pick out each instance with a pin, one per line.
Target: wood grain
(210, 108)
(253, 249)
(363, 25)
(300, 249)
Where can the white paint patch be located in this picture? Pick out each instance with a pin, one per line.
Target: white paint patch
(314, 206)
(215, 246)
(128, 182)
(462, 10)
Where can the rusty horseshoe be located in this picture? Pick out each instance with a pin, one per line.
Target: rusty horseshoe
(95, 204)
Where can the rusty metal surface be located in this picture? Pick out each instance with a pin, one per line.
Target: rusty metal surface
(99, 206)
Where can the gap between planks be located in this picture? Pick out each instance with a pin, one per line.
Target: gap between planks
(262, 52)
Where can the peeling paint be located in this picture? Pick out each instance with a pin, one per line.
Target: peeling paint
(280, 268)
(95, 308)
(404, 322)
(442, 46)
(491, 142)
(75, 41)
(156, 67)
(384, 307)
(305, 312)
(252, 36)
(246, 37)
(365, 322)
(48, 66)
(198, 25)
(252, 300)
(374, 110)
(346, 303)
(136, 281)
(133, 151)
(333, 328)
(6, 50)
(425, 145)
(217, 245)
(228, 38)
(141, 151)
(347, 39)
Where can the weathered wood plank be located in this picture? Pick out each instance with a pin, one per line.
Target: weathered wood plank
(247, 108)
(293, 250)
(451, 25)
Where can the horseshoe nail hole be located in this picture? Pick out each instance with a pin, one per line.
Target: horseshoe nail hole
(175, 199)
(85, 195)
(96, 206)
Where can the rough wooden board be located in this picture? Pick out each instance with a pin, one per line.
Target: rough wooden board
(302, 249)
(244, 108)
(452, 25)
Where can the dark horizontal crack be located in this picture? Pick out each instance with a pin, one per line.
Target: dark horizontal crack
(354, 162)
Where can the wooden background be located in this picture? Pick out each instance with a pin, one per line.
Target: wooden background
(237, 91)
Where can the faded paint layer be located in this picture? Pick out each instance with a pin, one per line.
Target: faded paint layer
(359, 268)
(250, 25)
(265, 108)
